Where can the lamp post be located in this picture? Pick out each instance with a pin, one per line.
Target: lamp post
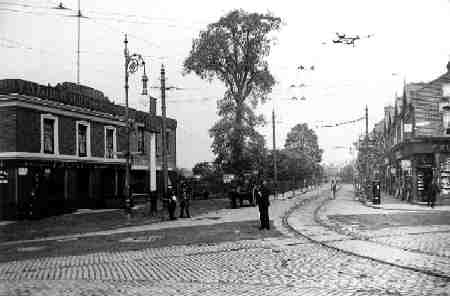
(132, 64)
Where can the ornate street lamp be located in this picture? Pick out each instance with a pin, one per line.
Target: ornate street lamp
(132, 64)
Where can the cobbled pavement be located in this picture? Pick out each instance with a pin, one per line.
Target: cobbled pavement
(290, 265)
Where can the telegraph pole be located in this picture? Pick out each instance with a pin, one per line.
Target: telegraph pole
(163, 131)
(275, 171)
(367, 152)
(78, 43)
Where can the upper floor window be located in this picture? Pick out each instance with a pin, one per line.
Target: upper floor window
(446, 123)
(49, 134)
(446, 90)
(140, 139)
(168, 142)
(83, 139)
(110, 142)
(158, 142)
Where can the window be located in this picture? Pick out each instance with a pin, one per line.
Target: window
(140, 139)
(446, 118)
(110, 142)
(158, 142)
(49, 134)
(168, 142)
(446, 90)
(83, 139)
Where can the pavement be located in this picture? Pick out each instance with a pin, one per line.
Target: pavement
(306, 260)
(405, 235)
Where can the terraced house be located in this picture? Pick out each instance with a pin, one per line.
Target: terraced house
(63, 148)
(417, 139)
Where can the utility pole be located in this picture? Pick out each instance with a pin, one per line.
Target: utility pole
(367, 152)
(163, 131)
(275, 171)
(78, 43)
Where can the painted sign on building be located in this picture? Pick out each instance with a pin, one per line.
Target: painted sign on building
(3, 176)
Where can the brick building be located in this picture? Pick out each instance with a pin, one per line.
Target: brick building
(63, 148)
(417, 138)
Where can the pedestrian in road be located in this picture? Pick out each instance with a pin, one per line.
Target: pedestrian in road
(153, 203)
(263, 205)
(184, 203)
(333, 189)
(172, 205)
(432, 193)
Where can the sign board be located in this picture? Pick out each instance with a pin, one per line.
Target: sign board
(406, 164)
(23, 171)
(446, 90)
(227, 178)
(3, 176)
(408, 128)
(393, 171)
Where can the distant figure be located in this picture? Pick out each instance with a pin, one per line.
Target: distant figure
(172, 205)
(153, 203)
(184, 203)
(432, 193)
(333, 189)
(263, 205)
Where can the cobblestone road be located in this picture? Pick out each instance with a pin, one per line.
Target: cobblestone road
(290, 265)
(397, 224)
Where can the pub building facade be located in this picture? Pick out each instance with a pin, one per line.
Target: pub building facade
(63, 148)
(417, 139)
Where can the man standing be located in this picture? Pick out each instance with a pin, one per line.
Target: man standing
(263, 205)
(333, 189)
(432, 193)
(184, 203)
(172, 204)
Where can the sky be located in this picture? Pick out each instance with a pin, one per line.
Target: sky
(411, 42)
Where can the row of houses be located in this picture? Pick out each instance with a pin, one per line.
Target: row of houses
(413, 140)
(63, 148)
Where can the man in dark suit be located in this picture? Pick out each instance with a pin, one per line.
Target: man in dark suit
(263, 205)
(432, 193)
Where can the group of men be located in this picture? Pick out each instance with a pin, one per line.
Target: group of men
(184, 200)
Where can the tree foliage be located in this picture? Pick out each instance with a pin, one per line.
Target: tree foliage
(303, 141)
(303, 152)
(234, 50)
(203, 169)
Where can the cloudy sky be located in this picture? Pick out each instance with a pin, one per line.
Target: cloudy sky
(411, 40)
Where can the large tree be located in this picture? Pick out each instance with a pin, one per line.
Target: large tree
(305, 154)
(234, 50)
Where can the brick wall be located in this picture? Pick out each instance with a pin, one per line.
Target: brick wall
(8, 129)
(67, 135)
(28, 130)
(97, 139)
(122, 140)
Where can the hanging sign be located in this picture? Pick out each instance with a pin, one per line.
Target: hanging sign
(227, 178)
(3, 176)
(406, 164)
(23, 171)
(408, 127)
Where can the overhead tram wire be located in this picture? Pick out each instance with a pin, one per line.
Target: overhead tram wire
(95, 20)
(171, 23)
